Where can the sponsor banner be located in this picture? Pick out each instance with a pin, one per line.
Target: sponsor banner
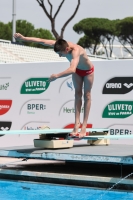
(35, 106)
(67, 86)
(118, 109)
(68, 108)
(5, 126)
(5, 106)
(35, 125)
(121, 129)
(35, 86)
(111, 96)
(118, 85)
(4, 86)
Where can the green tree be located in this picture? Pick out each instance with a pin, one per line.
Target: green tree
(27, 29)
(87, 42)
(5, 31)
(97, 31)
(24, 27)
(42, 33)
(124, 33)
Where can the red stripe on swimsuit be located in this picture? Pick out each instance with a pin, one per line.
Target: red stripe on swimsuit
(84, 72)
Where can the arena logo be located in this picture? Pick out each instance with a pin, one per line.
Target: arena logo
(128, 85)
(5, 126)
(5, 106)
(113, 85)
(118, 109)
(118, 85)
(35, 86)
(4, 86)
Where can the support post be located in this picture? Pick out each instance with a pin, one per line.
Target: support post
(13, 19)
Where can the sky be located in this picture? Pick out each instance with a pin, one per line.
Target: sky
(31, 11)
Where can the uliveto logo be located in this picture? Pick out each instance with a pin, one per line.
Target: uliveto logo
(5, 106)
(118, 109)
(118, 85)
(35, 86)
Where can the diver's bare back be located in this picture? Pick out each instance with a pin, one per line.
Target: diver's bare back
(84, 62)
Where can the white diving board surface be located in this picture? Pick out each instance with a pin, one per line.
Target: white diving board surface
(50, 131)
(100, 137)
(65, 131)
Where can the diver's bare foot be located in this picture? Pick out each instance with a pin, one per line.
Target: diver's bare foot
(82, 133)
(75, 130)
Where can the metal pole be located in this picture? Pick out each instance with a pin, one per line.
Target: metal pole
(13, 19)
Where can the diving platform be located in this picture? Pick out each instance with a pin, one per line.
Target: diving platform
(80, 152)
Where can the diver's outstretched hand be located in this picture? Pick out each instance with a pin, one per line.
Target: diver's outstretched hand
(53, 77)
(18, 36)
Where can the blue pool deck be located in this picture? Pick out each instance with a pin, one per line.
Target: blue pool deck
(116, 154)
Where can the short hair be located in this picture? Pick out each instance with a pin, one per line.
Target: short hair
(60, 45)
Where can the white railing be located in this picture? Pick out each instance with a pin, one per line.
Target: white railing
(119, 52)
(5, 41)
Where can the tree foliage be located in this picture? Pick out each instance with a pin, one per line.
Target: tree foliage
(124, 33)
(27, 29)
(87, 42)
(42, 33)
(5, 31)
(97, 31)
(24, 27)
(104, 31)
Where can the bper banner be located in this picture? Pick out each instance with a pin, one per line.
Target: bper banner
(28, 101)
